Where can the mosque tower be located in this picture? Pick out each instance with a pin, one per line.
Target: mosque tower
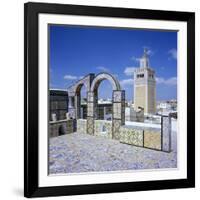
(145, 86)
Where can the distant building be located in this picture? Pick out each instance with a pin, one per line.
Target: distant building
(145, 86)
(173, 103)
(58, 104)
(166, 107)
(134, 115)
(104, 110)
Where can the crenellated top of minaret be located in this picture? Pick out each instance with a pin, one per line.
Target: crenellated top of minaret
(144, 60)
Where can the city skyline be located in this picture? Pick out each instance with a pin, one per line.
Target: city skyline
(77, 51)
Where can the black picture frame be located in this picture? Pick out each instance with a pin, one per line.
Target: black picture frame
(31, 170)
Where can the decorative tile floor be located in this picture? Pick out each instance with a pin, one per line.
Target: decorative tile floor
(76, 152)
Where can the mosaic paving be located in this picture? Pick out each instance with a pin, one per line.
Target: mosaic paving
(77, 152)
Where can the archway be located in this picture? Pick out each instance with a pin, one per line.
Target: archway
(81, 101)
(118, 104)
(104, 101)
(74, 94)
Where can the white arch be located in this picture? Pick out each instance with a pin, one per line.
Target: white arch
(79, 86)
(86, 81)
(105, 76)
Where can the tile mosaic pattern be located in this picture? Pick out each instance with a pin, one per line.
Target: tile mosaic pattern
(118, 112)
(90, 125)
(90, 113)
(82, 126)
(116, 124)
(90, 109)
(117, 108)
(131, 136)
(117, 96)
(103, 128)
(152, 139)
(123, 112)
(166, 133)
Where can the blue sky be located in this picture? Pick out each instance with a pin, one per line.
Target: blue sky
(76, 51)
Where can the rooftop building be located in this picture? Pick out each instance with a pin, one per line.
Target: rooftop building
(145, 86)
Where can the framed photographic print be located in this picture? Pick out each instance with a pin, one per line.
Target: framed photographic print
(109, 99)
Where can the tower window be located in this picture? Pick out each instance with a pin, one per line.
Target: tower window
(150, 75)
(140, 76)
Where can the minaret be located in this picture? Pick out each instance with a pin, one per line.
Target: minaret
(145, 86)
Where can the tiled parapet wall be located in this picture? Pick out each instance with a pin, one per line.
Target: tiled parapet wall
(141, 136)
(152, 139)
(103, 128)
(131, 135)
(166, 133)
(158, 138)
(61, 127)
(81, 125)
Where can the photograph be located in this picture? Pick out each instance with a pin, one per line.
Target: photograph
(109, 99)
(112, 99)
